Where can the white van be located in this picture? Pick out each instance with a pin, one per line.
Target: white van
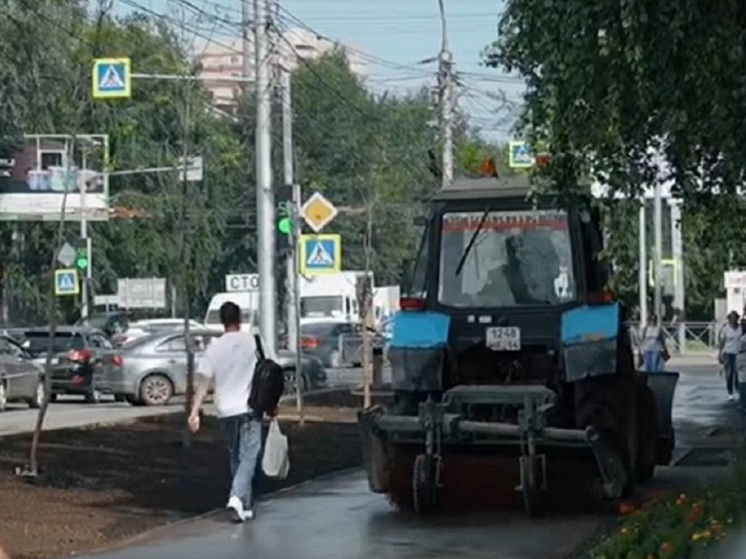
(248, 302)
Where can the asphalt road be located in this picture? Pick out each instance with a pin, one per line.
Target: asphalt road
(73, 412)
(338, 518)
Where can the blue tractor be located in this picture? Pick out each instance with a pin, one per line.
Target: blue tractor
(508, 341)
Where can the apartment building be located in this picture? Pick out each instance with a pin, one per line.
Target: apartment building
(223, 56)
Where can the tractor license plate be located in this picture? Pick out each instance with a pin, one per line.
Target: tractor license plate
(503, 338)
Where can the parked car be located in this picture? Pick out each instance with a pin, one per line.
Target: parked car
(21, 380)
(155, 367)
(82, 358)
(322, 340)
(111, 323)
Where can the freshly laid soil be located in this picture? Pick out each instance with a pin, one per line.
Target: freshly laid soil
(102, 485)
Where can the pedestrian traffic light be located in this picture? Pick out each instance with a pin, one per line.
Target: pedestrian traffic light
(81, 258)
(284, 216)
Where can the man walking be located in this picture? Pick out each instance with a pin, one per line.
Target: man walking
(229, 363)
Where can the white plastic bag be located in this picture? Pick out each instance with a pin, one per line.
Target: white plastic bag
(276, 462)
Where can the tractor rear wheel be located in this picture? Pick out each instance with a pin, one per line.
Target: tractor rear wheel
(608, 403)
(648, 433)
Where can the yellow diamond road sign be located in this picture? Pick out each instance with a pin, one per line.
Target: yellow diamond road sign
(318, 212)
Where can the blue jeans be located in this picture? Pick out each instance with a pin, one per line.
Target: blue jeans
(731, 372)
(654, 361)
(243, 439)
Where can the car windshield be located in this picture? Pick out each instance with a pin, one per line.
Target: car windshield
(37, 343)
(518, 258)
(321, 305)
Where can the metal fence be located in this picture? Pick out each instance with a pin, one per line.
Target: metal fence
(686, 337)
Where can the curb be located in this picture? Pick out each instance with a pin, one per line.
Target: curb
(154, 532)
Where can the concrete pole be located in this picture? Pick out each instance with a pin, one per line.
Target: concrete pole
(264, 197)
(84, 236)
(445, 76)
(677, 250)
(658, 250)
(293, 302)
(643, 265)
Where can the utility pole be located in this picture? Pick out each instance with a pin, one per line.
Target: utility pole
(366, 309)
(445, 87)
(643, 265)
(658, 253)
(85, 295)
(185, 257)
(291, 263)
(677, 250)
(264, 196)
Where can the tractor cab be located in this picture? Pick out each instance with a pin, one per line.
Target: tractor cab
(504, 268)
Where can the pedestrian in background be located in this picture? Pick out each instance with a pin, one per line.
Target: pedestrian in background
(229, 364)
(654, 352)
(729, 343)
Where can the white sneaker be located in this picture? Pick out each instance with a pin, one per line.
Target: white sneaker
(731, 397)
(238, 513)
(236, 509)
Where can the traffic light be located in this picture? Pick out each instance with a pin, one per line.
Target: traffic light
(284, 216)
(81, 257)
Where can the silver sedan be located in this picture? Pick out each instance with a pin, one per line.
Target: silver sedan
(154, 367)
(20, 379)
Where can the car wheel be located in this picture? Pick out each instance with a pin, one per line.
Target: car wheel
(132, 401)
(156, 390)
(38, 399)
(334, 359)
(94, 396)
(3, 396)
(290, 385)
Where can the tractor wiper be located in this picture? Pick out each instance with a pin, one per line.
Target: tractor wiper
(473, 239)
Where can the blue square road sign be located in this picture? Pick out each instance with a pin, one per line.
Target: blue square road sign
(320, 254)
(112, 78)
(66, 282)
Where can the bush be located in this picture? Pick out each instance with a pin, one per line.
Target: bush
(670, 526)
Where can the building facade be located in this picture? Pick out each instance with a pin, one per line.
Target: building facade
(222, 58)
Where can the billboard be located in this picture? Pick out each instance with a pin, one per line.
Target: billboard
(44, 173)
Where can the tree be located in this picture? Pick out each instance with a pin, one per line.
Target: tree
(607, 83)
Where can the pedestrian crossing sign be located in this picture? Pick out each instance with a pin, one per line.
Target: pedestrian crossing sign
(520, 156)
(66, 282)
(112, 78)
(320, 254)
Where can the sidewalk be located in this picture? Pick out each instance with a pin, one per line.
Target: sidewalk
(699, 359)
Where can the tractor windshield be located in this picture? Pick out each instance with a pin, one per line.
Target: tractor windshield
(517, 258)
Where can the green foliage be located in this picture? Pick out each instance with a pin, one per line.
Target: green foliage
(609, 84)
(367, 153)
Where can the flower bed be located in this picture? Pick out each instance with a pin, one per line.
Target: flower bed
(670, 526)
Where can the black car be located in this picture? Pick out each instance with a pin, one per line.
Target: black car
(322, 340)
(81, 357)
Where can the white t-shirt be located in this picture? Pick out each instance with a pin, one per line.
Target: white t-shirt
(731, 338)
(230, 361)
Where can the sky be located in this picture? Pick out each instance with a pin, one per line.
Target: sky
(394, 35)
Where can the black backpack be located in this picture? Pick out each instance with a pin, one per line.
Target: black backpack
(268, 383)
